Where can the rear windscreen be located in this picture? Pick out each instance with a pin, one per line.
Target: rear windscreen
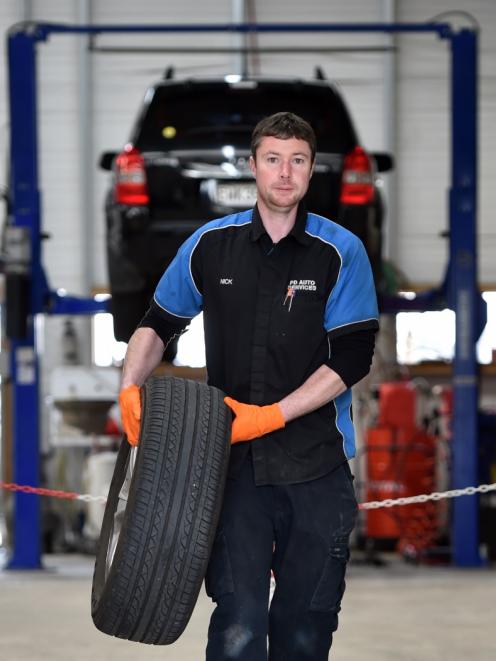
(209, 116)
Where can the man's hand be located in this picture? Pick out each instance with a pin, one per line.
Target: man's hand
(130, 404)
(252, 421)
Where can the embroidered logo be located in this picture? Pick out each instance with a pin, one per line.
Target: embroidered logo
(226, 281)
(295, 286)
(303, 285)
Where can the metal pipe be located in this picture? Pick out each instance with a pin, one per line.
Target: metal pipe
(85, 123)
(87, 230)
(43, 30)
(238, 39)
(390, 128)
(239, 50)
(27, 14)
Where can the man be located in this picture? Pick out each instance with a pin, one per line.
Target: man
(290, 316)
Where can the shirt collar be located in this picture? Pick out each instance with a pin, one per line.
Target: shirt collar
(297, 231)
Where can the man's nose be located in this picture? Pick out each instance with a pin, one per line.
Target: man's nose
(285, 171)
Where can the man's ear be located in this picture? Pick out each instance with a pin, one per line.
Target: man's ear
(312, 169)
(253, 166)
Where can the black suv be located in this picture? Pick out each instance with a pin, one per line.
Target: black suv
(186, 162)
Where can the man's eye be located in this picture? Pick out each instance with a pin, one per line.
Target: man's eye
(272, 159)
(299, 161)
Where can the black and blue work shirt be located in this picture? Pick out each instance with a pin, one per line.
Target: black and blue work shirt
(273, 314)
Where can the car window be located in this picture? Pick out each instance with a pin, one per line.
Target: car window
(209, 116)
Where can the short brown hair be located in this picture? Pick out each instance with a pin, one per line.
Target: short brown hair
(283, 125)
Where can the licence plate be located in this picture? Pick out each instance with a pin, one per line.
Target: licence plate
(236, 195)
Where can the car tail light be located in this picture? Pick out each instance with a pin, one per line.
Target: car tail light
(358, 178)
(130, 177)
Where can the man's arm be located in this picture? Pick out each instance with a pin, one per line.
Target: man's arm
(176, 301)
(143, 355)
(349, 362)
(253, 421)
(320, 388)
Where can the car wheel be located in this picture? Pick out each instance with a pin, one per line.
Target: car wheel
(161, 513)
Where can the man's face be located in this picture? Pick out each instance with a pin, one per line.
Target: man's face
(282, 170)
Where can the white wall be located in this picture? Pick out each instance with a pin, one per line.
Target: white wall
(424, 141)
(118, 83)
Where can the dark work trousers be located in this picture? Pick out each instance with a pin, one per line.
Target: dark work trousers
(301, 532)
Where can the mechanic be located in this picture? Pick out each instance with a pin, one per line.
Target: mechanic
(290, 317)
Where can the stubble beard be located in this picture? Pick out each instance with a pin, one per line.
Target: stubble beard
(280, 203)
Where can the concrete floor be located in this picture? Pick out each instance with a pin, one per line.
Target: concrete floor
(393, 613)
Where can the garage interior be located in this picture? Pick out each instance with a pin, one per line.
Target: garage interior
(418, 81)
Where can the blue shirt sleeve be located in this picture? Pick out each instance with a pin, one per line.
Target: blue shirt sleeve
(177, 292)
(352, 303)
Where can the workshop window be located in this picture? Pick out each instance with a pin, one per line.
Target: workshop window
(430, 336)
(107, 351)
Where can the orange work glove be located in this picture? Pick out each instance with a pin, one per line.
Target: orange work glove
(130, 404)
(252, 421)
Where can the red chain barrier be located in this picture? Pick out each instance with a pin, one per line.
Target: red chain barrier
(410, 500)
(40, 491)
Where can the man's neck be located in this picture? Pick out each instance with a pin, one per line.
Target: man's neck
(278, 223)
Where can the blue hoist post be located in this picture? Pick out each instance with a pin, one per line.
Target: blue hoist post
(25, 199)
(23, 235)
(462, 268)
(464, 293)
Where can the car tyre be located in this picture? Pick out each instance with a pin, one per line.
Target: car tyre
(161, 513)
